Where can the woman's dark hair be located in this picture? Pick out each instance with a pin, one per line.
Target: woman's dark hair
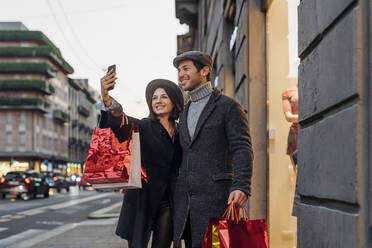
(200, 66)
(175, 111)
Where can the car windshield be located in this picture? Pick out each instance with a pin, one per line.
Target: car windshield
(16, 175)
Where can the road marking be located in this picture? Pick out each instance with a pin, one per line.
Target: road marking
(20, 236)
(107, 209)
(75, 202)
(53, 223)
(17, 216)
(42, 237)
(67, 204)
(105, 201)
(30, 241)
(101, 222)
(102, 213)
(33, 212)
(3, 229)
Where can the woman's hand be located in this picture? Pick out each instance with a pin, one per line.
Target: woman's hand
(239, 198)
(107, 82)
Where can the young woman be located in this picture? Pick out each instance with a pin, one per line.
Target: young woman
(148, 209)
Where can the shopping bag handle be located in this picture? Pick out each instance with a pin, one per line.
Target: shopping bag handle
(243, 214)
(232, 213)
(124, 120)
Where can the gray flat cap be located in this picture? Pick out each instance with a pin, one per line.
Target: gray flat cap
(198, 56)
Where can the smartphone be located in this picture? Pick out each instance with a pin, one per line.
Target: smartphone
(108, 69)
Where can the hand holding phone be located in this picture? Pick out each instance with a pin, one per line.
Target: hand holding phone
(111, 67)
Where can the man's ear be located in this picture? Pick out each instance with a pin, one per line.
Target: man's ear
(205, 71)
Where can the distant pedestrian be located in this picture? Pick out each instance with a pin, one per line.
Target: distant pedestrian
(149, 209)
(217, 158)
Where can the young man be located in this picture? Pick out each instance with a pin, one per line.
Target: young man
(217, 152)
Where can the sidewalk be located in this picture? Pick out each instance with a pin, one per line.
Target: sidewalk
(96, 232)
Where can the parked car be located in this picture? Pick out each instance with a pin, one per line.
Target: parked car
(24, 184)
(84, 184)
(75, 178)
(57, 180)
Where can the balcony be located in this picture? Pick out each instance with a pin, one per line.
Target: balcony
(91, 99)
(27, 67)
(49, 49)
(87, 129)
(24, 103)
(74, 84)
(72, 142)
(74, 123)
(81, 126)
(26, 85)
(60, 116)
(86, 145)
(187, 12)
(83, 111)
(185, 42)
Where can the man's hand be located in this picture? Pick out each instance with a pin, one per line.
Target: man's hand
(106, 82)
(239, 198)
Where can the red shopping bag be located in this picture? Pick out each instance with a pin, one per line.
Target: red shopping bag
(110, 164)
(235, 230)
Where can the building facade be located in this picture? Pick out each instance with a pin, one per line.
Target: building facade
(335, 112)
(84, 118)
(262, 47)
(46, 118)
(33, 101)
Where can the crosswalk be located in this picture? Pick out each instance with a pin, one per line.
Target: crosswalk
(31, 237)
(19, 237)
(39, 210)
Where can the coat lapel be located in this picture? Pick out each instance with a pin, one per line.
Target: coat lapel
(207, 111)
(184, 130)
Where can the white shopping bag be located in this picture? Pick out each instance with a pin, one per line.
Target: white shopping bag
(134, 181)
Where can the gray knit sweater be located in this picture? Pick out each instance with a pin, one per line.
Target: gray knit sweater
(199, 98)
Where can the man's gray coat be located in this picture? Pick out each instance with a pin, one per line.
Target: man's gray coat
(216, 161)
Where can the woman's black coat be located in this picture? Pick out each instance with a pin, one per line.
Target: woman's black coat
(160, 157)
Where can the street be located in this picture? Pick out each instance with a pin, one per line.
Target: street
(22, 220)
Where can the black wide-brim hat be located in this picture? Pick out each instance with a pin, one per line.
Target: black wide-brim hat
(201, 57)
(173, 91)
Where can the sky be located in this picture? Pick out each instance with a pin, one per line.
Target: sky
(139, 36)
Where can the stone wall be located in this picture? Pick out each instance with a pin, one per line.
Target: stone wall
(334, 112)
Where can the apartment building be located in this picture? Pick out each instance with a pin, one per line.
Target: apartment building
(33, 101)
(84, 118)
